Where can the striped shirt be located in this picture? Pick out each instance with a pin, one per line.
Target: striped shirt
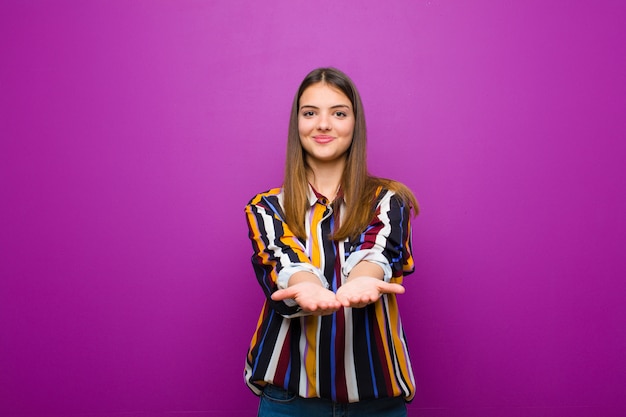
(353, 354)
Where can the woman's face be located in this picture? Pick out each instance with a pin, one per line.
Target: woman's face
(325, 123)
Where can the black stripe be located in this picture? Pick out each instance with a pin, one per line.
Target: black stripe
(268, 335)
(361, 357)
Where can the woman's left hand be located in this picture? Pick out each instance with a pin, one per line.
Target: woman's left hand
(363, 290)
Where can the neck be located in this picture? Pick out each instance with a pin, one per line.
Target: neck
(326, 178)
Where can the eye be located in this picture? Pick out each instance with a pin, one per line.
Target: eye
(308, 113)
(341, 114)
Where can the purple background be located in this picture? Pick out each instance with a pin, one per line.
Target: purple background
(134, 132)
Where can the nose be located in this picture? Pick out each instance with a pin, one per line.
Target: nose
(324, 123)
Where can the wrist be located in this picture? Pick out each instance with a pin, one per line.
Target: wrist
(302, 277)
(366, 269)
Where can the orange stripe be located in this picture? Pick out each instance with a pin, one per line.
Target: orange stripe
(257, 332)
(380, 320)
(316, 252)
(310, 360)
(402, 359)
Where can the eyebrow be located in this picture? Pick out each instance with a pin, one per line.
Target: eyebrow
(332, 107)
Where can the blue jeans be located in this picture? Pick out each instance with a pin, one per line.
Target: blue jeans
(277, 402)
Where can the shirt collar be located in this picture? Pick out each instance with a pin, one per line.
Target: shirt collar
(315, 196)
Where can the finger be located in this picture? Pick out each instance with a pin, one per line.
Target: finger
(350, 301)
(325, 311)
(347, 303)
(343, 300)
(321, 307)
(322, 312)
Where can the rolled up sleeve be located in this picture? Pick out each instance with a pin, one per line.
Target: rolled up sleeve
(277, 252)
(386, 241)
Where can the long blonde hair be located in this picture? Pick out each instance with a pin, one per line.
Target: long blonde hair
(359, 188)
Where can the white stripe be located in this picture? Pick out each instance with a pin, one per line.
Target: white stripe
(289, 267)
(278, 346)
(385, 207)
(349, 364)
(406, 354)
(303, 384)
(351, 383)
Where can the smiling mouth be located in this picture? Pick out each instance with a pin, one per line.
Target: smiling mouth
(323, 138)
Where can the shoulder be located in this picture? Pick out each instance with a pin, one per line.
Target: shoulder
(395, 193)
(267, 198)
(388, 197)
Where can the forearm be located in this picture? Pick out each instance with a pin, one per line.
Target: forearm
(365, 268)
(304, 276)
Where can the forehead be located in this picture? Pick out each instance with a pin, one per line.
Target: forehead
(319, 94)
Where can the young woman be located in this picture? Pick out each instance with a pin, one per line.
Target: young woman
(331, 248)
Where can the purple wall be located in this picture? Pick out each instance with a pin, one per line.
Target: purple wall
(134, 132)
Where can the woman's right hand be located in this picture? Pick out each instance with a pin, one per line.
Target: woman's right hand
(311, 297)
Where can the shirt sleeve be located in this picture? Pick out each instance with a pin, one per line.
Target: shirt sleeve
(386, 241)
(277, 252)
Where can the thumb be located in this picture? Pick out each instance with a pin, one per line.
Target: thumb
(389, 288)
(282, 295)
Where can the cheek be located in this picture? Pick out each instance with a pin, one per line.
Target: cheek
(304, 126)
(348, 125)
(348, 131)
